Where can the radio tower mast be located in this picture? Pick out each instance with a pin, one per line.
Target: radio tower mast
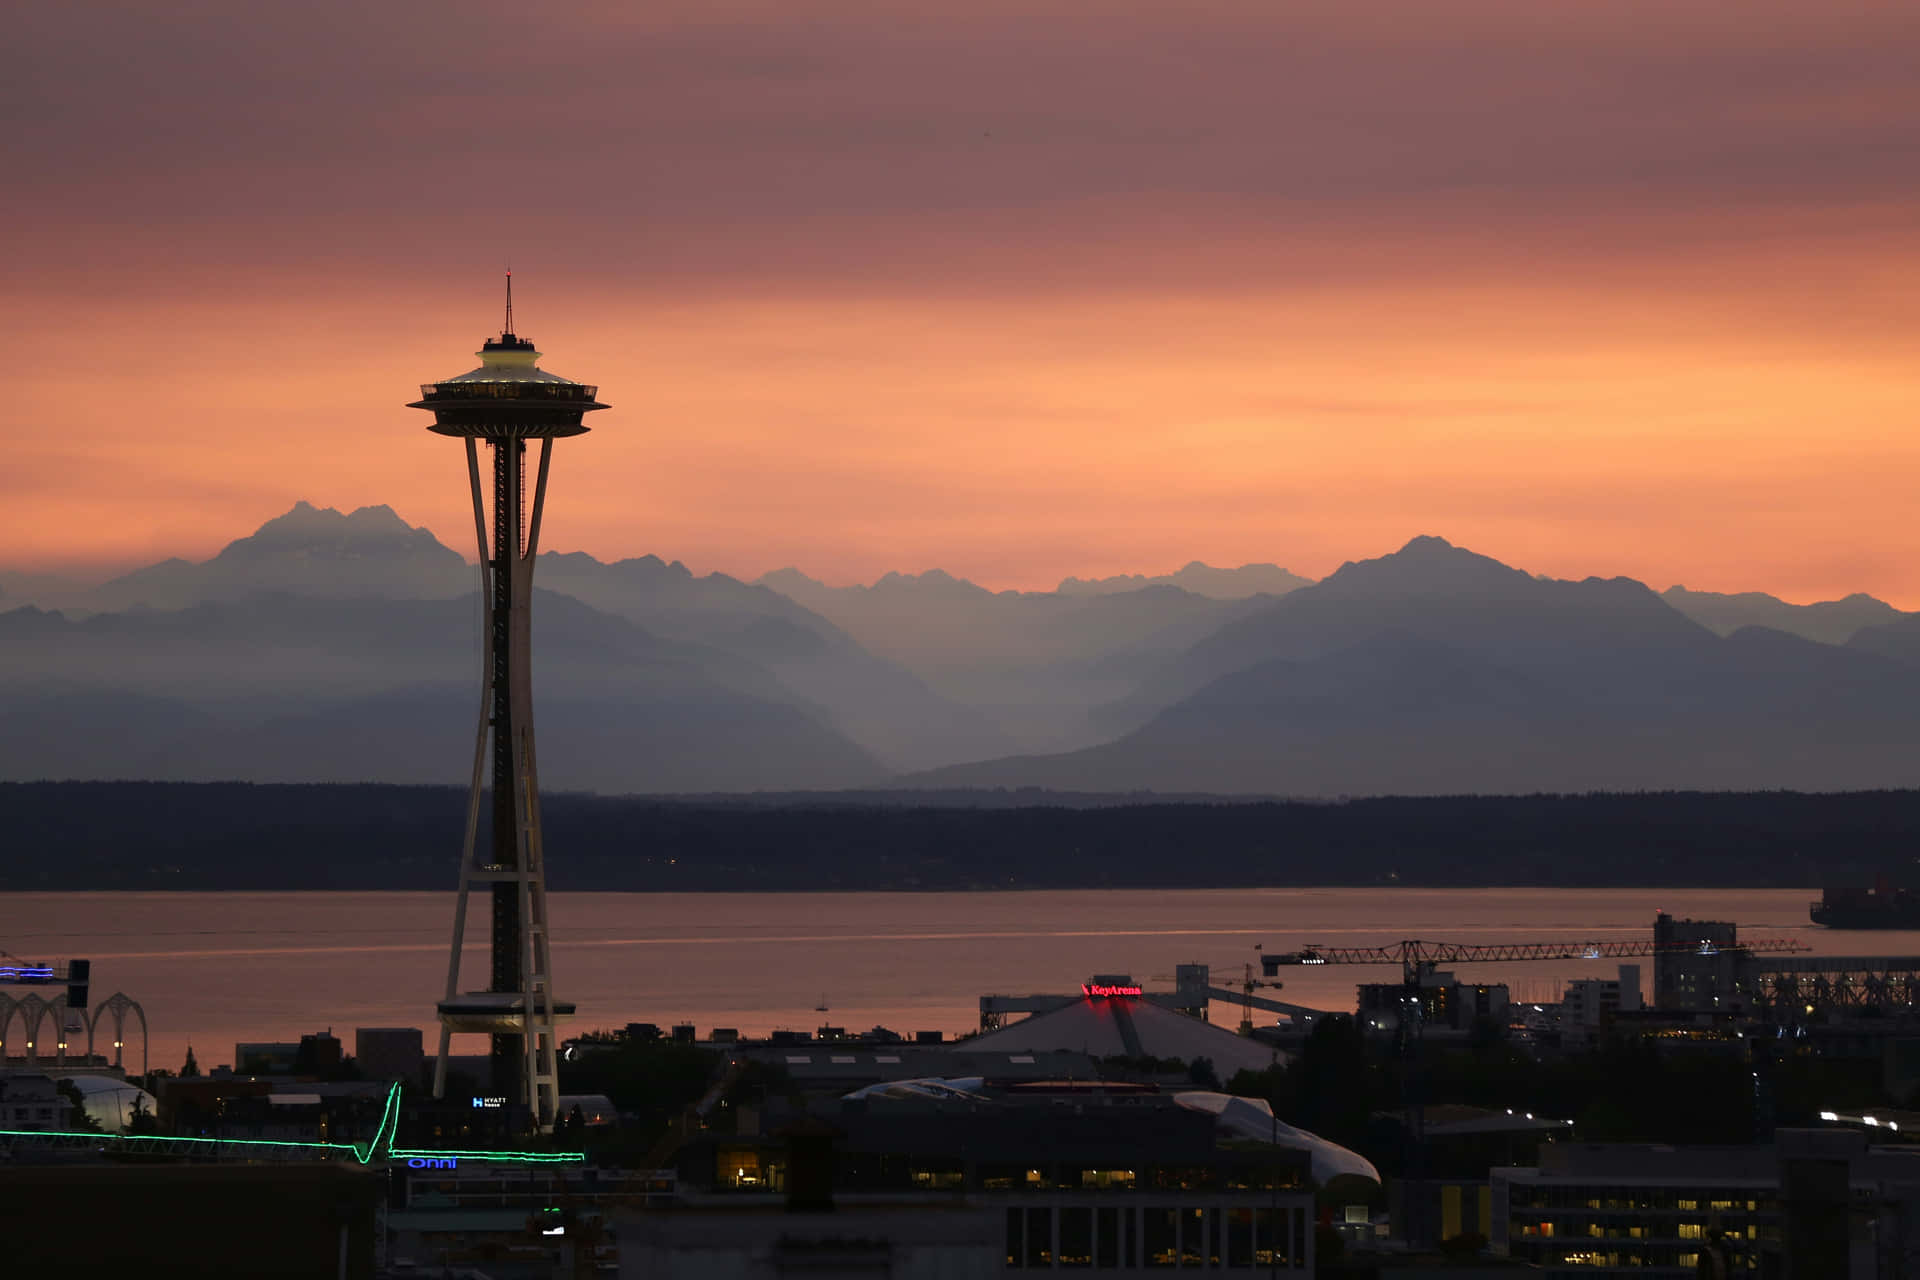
(505, 403)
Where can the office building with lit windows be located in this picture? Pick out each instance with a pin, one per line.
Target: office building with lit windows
(1075, 1177)
(1814, 1203)
(1592, 1210)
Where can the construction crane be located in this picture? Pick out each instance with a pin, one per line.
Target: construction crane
(1193, 988)
(1247, 984)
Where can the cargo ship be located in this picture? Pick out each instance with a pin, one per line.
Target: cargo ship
(1880, 905)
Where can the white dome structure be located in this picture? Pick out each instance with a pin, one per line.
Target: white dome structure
(1253, 1119)
(111, 1102)
(943, 1088)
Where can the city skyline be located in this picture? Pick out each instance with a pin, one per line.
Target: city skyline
(1014, 293)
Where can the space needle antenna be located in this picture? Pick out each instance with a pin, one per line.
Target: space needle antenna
(508, 331)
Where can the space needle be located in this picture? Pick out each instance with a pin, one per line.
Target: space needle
(506, 403)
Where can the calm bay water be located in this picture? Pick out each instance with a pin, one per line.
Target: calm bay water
(216, 968)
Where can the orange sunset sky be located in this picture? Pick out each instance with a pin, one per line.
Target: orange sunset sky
(1016, 290)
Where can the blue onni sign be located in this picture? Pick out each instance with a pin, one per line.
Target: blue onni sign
(433, 1162)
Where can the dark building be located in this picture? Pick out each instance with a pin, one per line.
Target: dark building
(209, 1221)
(389, 1053)
(1696, 963)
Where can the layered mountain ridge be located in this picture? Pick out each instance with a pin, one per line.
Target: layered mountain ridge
(1436, 671)
(343, 647)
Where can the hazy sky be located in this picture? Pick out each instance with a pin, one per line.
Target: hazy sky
(1017, 289)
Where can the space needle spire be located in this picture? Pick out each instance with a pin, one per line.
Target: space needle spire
(506, 403)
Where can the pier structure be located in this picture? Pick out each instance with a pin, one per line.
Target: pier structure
(506, 404)
(1787, 990)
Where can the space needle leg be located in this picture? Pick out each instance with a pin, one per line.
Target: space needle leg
(542, 1065)
(479, 769)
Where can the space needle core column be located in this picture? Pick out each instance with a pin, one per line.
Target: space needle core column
(505, 403)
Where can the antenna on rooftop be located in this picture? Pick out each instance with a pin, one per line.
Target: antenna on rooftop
(508, 331)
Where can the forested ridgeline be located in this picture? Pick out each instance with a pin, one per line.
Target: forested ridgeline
(88, 835)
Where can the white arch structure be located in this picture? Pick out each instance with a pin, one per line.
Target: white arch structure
(119, 1004)
(31, 1010)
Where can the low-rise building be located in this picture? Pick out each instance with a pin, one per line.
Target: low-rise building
(1590, 1005)
(31, 1101)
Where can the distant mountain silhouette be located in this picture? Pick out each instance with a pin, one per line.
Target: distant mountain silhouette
(1435, 670)
(1899, 639)
(1829, 622)
(284, 687)
(308, 551)
(320, 553)
(333, 647)
(1035, 662)
(880, 704)
(1432, 589)
(1201, 579)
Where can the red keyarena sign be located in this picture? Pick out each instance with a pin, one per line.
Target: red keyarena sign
(1101, 989)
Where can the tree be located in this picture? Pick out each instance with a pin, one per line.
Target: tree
(141, 1120)
(81, 1119)
(189, 1068)
(1258, 1084)
(650, 1081)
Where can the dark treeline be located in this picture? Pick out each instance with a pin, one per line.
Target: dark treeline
(87, 835)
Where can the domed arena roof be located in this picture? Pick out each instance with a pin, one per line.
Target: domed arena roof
(111, 1102)
(1123, 1027)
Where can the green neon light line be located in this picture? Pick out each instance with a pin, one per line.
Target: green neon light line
(381, 1144)
(389, 1125)
(512, 1157)
(81, 1136)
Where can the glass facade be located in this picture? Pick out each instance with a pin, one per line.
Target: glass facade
(1163, 1237)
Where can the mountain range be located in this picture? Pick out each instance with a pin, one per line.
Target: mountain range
(1438, 671)
(1200, 579)
(330, 646)
(1036, 663)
